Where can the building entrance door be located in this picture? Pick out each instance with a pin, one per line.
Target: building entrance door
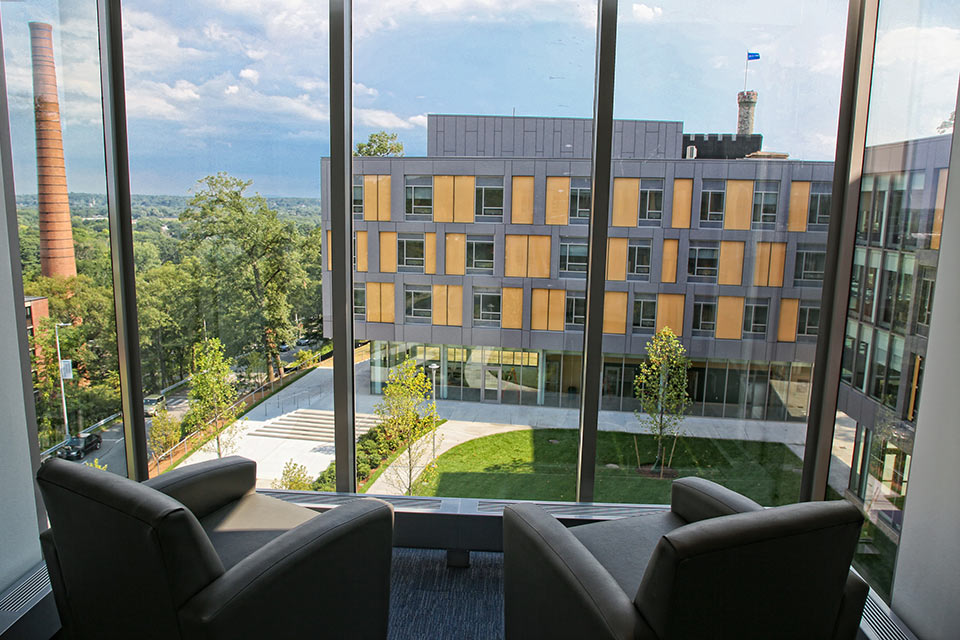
(491, 384)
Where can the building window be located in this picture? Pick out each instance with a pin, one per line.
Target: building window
(925, 300)
(576, 310)
(755, 317)
(418, 304)
(419, 197)
(573, 259)
(808, 321)
(490, 199)
(703, 262)
(410, 252)
(644, 314)
(358, 197)
(704, 316)
(765, 195)
(360, 301)
(479, 255)
(651, 201)
(486, 307)
(579, 200)
(638, 261)
(820, 202)
(810, 268)
(712, 197)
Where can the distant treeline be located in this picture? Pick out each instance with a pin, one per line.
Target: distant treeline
(92, 205)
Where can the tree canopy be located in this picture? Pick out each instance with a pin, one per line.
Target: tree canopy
(380, 143)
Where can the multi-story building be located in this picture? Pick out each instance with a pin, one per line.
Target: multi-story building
(474, 257)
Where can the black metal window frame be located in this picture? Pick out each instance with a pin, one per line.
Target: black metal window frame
(651, 201)
(808, 320)
(703, 262)
(575, 310)
(357, 197)
(644, 313)
(639, 254)
(805, 273)
(360, 301)
(854, 102)
(713, 202)
(756, 317)
(704, 316)
(821, 202)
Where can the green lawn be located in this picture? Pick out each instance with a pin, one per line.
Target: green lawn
(541, 464)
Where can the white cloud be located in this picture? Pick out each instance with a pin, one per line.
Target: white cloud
(644, 13)
(252, 75)
(360, 89)
(419, 121)
(383, 119)
(231, 89)
(310, 84)
(257, 54)
(151, 45)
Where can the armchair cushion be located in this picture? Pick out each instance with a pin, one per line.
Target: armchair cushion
(206, 486)
(695, 499)
(241, 527)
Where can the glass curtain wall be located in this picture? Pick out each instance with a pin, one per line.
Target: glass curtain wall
(900, 219)
(473, 168)
(227, 122)
(53, 82)
(723, 162)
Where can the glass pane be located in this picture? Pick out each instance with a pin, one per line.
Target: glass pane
(741, 253)
(500, 320)
(227, 235)
(51, 54)
(909, 133)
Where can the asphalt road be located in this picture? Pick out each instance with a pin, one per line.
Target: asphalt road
(111, 451)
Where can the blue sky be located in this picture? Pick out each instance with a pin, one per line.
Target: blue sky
(241, 85)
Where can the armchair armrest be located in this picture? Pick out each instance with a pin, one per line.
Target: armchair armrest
(695, 499)
(205, 487)
(329, 577)
(851, 608)
(553, 587)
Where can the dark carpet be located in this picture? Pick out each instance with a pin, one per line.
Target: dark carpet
(429, 600)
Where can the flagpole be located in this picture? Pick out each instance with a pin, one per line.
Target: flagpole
(745, 67)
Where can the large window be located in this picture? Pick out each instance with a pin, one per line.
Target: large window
(418, 306)
(357, 197)
(808, 321)
(580, 201)
(925, 299)
(712, 196)
(704, 316)
(410, 252)
(755, 318)
(820, 203)
(638, 260)
(576, 312)
(809, 267)
(418, 197)
(651, 200)
(573, 258)
(703, 262)
(479, 255)
(486, 307)
(360, 302)
(489, 199)
(765, 196)
(644, 313)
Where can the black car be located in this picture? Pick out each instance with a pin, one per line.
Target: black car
(78, 446)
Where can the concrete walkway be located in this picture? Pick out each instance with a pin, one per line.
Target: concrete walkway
(469, 420)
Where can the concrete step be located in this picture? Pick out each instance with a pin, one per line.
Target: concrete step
(310, 424)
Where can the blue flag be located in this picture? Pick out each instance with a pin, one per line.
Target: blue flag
(753, 56)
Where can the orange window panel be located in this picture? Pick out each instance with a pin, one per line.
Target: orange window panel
(670, 312)
(615, 312)
(512, 307)
(443, 198)
(787, 326)
(515, 256)
(558, 200)
(739, 205)
(799, 206)
(521, 209)
(538, 257)
(669, 271)
(682, 202)
(626, 201)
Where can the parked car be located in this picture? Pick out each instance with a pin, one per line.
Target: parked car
(301, 342)
(78, 446)
(152, 404)
(284, 348)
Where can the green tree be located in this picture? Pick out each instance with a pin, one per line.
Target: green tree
(408, 413)
(380, 143)
(163, 434)
(947, 125)
(294, 477)
(212, 395)
(661, 387)
(251, 264)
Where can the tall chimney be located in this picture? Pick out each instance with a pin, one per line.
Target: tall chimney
(748, 106)
(56, 235)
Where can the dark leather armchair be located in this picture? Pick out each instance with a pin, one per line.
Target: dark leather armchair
(196, 553)
(717, 565)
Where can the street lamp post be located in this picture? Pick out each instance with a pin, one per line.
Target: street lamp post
(433, 366)
(63, 395)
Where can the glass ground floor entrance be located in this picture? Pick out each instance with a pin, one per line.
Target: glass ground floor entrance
(744, 389)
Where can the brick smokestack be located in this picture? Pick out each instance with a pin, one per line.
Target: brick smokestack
(748, 106)
(56, 235)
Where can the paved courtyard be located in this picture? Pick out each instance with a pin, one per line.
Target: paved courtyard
(297, 424)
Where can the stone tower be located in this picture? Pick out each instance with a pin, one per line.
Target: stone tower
(748, 106)
(56, 235)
